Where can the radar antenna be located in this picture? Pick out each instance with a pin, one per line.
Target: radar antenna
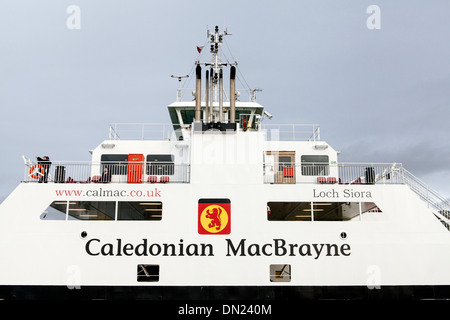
(253, 94)
(179, 85)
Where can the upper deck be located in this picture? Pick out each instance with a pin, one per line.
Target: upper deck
(213, 140)
(267, 153)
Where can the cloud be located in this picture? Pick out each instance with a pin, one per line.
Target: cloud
(423, 157)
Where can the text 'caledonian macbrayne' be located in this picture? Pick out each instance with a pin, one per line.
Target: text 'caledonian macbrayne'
(276, 247)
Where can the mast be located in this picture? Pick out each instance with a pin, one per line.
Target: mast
(213, 112)
(216, 65)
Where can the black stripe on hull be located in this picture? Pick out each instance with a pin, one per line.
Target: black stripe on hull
(225, 293)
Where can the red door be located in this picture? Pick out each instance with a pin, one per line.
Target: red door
(135, 166)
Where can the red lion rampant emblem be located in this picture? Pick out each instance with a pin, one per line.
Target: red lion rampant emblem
(215, 218)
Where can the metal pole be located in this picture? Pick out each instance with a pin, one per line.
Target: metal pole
(198, 98)
(211, 97)
(207, 96)
(220, 96)
(232, 94)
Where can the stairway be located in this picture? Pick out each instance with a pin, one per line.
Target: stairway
(437, 203)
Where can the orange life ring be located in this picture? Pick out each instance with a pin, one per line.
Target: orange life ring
(36, 171)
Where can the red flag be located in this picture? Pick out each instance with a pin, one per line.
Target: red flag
(199, 49)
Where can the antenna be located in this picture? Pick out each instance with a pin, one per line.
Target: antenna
(216, 40)
(253, 93)
(179, 86)
(180, 77)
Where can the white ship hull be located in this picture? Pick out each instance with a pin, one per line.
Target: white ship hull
(405, 246)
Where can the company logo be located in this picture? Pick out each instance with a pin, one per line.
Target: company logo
(214, 216)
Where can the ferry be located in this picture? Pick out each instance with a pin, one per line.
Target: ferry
(221, 203)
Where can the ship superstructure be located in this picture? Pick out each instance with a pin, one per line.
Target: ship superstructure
(222, 204)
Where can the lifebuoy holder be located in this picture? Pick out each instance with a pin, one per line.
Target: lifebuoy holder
(36, 171)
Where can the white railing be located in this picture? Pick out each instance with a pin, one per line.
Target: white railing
(371, 173)
(189, 92)
(165, 131)
(324, 173)
(105, 172)
(141, 131)
(291, 132)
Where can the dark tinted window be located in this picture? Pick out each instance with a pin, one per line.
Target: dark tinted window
(116, 163)
(314, 165)
(92, 210)
(159, 164)
(139, 211)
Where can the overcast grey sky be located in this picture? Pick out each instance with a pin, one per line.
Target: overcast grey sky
(380, 95)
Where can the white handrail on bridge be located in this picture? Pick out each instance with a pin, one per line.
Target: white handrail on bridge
(165, 131)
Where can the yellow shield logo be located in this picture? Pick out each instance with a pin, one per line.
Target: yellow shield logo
(214, 216)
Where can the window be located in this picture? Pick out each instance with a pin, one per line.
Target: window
(159, 164)
(148, 273)
(314, 165)
(103, 210)
(369, 207)
(92, 210)
(289, 211)
(280, 273)
(335, 211)
(187, 116)
(139, 211)
(56, 211)
(116, 163)
(319, 211)
(283, 162)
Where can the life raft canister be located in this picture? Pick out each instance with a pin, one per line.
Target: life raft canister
(36, 171)
(244, 125)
